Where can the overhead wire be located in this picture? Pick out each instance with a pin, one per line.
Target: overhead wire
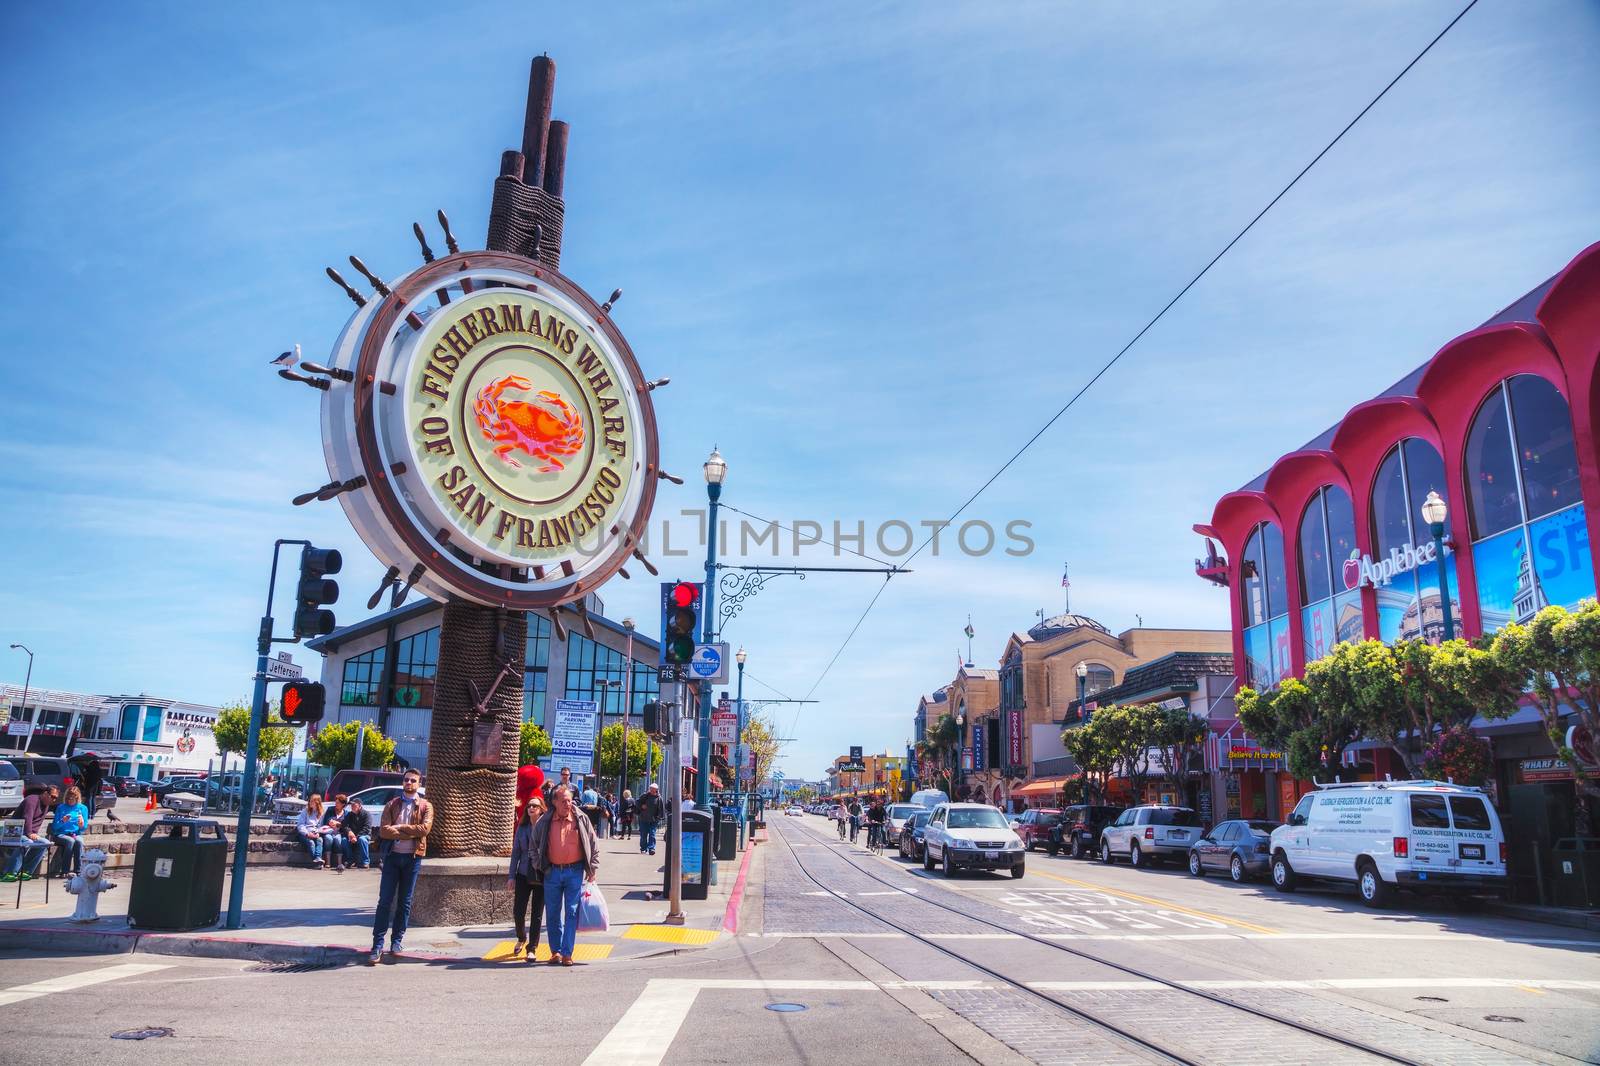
(1104, 369)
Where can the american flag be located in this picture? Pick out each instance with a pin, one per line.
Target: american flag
(1064, 582)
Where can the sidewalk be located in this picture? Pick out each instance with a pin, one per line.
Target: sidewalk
(1572, 917)
(317, 917)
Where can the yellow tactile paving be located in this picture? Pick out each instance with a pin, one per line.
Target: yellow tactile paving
(503, 952)
(670, 934)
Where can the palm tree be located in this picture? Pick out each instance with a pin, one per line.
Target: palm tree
(942, 742)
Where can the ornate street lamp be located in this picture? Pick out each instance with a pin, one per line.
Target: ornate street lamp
(1434, 512)
(33, 721)
(1082, 670)
(716, 471)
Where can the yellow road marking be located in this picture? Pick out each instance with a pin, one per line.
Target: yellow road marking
(1164, 904)
(1529, 988)
(503, 952)
(669, 934)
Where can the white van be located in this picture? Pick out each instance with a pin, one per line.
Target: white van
(929, 798)
(1424, 836)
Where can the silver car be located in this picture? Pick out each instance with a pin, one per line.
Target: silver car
(10, 789)
(1148, 834)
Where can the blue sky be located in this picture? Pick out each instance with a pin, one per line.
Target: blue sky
(874, 246)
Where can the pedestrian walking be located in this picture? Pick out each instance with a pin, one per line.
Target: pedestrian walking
(650, 811)
(626, 809)
(568, 854)
(405, 824)
(310, 829)
(66, 831)
(591, 807)
(527, 882)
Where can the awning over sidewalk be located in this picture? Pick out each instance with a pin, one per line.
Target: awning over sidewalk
(1048, 786)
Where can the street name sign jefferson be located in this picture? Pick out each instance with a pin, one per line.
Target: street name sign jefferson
(503, 427)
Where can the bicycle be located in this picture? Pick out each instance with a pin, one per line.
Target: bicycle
(840, 822)
(875, 836)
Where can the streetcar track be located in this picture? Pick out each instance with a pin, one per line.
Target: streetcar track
(1085, 1015)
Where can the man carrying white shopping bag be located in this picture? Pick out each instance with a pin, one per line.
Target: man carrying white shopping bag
(593, 917)
(568, 855)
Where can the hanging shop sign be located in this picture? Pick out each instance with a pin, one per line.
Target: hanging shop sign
(490, 433)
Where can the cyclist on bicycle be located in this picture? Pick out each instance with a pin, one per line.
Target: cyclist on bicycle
(855, 818)
(877, 817)
(840, 815)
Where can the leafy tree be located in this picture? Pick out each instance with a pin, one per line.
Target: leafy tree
(1555, 657)
(1458, 755)
(1126, 732)
(536, 745)
(762, 740)
(232, 733)
(1088, 749)
(1311, 721)
(1179, 735)
(335, 746)
(611, 751)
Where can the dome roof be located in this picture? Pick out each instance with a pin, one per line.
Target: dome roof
(1062, 622)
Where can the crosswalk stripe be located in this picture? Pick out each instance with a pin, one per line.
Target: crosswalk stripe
(72, 981)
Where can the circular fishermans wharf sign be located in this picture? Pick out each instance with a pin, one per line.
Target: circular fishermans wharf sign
(503, 429)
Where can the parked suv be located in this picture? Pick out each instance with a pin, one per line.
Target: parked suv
(1034, 826)
(1425, 836)
(971, 836)
(39, 771)
(1149, 834)
(1079, 829)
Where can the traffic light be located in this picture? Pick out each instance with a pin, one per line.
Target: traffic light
(303, 701)
(314, 590)
(654, 720)
(680, 621)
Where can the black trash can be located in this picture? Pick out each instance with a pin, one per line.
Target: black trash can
(698, 848)
(727, 834)
(178, 869)
(1575, 864)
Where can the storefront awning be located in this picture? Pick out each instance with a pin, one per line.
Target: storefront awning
(1048, 786)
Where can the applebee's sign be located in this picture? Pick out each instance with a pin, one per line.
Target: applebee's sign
(1362, 570)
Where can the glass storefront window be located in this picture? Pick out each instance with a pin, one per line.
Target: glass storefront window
(1531, 545)
(589, 661)
(363, 679)
(416, 661)
(1327, 540)
(1410, 471)
(1253, 591)
(1258, 657)
(1315, 577)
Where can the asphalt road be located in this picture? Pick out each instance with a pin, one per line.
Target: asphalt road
(1426, 983)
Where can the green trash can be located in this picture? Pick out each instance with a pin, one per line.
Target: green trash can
(178, 868)
(1575, 863)
(727, 834)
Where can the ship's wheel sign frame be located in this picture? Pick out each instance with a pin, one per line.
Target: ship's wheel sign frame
(503, 429)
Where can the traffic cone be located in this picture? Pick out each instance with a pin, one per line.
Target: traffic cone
(150, 804)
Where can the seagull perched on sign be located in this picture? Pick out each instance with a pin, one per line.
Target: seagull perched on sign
(287, 359)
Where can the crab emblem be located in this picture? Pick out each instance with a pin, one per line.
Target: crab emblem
(544, 427)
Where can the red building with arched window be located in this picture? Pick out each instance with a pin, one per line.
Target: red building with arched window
(1504, 424)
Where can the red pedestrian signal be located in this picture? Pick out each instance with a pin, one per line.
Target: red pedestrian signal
(303, 701)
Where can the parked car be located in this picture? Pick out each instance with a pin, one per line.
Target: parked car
(911, 834)
(374, 799)
(930, 797)
(1242, 847)
(1034, 826)
(971, 836)
(898, 815)
(352, 781)
(129, 786)
(106, 801)
(1425, 836)
(182, 794)
(40, 771)
(10, 789)
(795, 812)
(1079, 829)
(1149, 834)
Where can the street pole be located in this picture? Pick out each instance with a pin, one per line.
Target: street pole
(258, 717)
(715, 470)
(675, 826)
(1434, 512)
(27, 681)
(627, 707)
(361, 738)
(739, 799)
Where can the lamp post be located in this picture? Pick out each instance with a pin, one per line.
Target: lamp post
(26, 681)
(606, 687)
(1082, 670)
(961, 746)
(716, 470)
(627, 706)
(1434, 512)
(738, 763)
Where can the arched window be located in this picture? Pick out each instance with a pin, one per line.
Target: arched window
(1522, 480)
(1408, 594)
(1265, 600)
(1331, 608)
(1097, 679)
